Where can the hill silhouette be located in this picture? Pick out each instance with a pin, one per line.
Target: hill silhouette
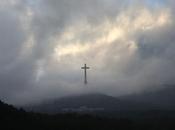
(88, 103)
(12, 118)
(163, 99)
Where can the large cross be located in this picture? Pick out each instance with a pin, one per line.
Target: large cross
(85, 73)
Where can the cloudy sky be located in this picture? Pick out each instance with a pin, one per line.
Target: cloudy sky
(129, 46)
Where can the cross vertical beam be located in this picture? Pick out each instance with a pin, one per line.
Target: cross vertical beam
(85, 73)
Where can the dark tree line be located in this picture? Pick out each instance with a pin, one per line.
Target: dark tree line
(12, 118)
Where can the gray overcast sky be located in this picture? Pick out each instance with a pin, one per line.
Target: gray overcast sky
(129, 45)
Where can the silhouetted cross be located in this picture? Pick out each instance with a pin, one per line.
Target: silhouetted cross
(85, 73)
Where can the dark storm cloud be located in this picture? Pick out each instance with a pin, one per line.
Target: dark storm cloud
(129, 46)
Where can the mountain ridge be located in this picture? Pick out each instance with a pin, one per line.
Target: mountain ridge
(162, 99)
(94, 102)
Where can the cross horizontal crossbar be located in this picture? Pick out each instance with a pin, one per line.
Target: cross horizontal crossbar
(85, 67)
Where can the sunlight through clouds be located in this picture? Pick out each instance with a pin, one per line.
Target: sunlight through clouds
(107, 33)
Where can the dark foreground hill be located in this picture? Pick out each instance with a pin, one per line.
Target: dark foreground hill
(12, 118)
